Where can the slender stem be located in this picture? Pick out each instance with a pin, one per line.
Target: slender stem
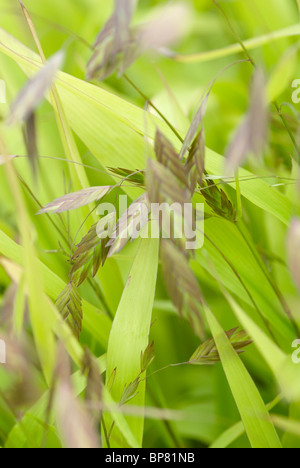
(239, 40)
(155, 108)
(270, 280)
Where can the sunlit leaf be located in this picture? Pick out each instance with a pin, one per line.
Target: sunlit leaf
(252, 134)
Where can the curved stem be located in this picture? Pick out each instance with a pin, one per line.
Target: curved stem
(244, 48)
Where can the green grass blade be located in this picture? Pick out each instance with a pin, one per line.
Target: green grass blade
(38, 307)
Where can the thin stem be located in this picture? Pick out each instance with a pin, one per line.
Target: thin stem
(177, 443)
(270, 280)
(250, 44)
(238, 196)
